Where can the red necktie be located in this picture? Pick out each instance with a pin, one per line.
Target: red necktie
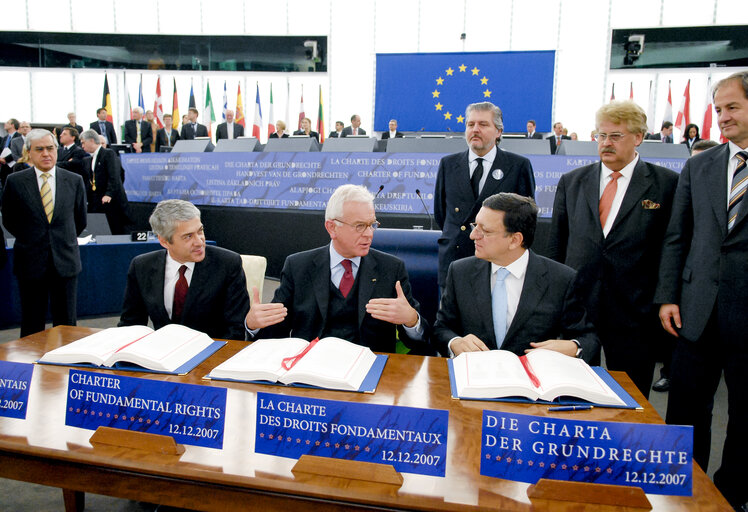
(606, 200)
(346, 282)
(180, 293)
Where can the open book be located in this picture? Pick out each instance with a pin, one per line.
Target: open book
(330, 363)
(172, 349)
(539, 375)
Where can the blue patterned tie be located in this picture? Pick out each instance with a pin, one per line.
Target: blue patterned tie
(498, 306)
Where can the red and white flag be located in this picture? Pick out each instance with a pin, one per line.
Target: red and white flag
(302, 115)
(651, 127)
(158, 105)
(258, 115)
(684, 113)
(706, 126)
(271, 119)
(669, 106)
(631, 91)
(613, 92)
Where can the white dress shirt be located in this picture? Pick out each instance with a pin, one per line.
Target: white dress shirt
(488, 159)
(171, 275)
(623, 184)
(230, 130)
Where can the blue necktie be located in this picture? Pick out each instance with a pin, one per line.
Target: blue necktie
(102, 127)
(498, 306)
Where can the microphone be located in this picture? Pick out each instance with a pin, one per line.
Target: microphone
(431, 219)
(381, 187)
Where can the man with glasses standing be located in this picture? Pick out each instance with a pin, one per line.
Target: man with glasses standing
(44, 207)
(609, 220)
(344, 289)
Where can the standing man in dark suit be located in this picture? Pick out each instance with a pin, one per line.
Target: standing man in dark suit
(531, 133)
(508, 297)
(104, 184)
(11, 128)
(557, 138)
(703, 289)
(44, 207)
(465, 179)
(609, 219)
(190, 283)
(345, 289)
(339, 125)
(393, 133)
(192, 128)
(138, 133)
(104, 127)
(166, 136)
(354, 128)
(665, 135)
(229, 129)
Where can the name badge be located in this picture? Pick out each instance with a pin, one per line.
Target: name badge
(15, 382)
(657, 458)
(412, 440)
(189, 413)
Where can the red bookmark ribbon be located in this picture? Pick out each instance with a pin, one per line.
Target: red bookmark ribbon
(530, 372)
(289, 362)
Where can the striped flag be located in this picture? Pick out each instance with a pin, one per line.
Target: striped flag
(631, 91)
(127, 112)
(301, 108)
(225, 100)
(651, 127)
(158, 105)
(141, 103)
(669, 106)
(613, 92)
(706, 126)
(684, 113)
(106, 101)
(192, 103)
(175, 109)
(271, 115)
(320, 119)
(258, 116)
(209, 116)
(239, 117)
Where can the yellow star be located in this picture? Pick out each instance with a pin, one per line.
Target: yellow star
(438, 106)
(475, 71)
(486, 93)
(483, 81)
(460, 119)
(463, 67)
(448, 115)
(436, 93)
(450, 71)
(439, 81)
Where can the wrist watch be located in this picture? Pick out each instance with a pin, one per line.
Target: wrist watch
(579, 348)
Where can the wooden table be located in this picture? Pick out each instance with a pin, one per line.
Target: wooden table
(41, 449)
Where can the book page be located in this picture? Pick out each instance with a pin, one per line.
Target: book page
(97, 347)
(333, 363)
(260, 361)
(491, 374)
(166, 349)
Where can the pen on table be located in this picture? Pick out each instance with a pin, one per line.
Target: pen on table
(571, 408)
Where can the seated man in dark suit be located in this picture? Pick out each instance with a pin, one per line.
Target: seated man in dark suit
(192, 129)
(345, 289)
(665, 135)
(104, 127)
(508, 297)
(339, 125)
(306, 129)
(354, 128)
(168, 135)
(393, 133)
(190, 283)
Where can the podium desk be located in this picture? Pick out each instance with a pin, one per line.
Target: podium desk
(41, 449)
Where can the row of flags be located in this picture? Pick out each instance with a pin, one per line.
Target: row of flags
(683, 117)
(208, 113)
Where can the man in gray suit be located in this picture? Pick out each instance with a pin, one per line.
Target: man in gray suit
(16, 145)
(703, 289)
(508, 297)
(354, 128)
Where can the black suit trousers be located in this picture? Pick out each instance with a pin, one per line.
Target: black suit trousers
(60, 293)
(697, 368)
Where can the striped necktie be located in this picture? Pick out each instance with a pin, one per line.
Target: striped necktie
(737, 190)
(47, 202)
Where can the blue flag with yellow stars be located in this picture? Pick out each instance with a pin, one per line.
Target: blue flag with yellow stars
(430, 91)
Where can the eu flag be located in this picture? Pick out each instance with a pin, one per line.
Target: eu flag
(429, 91)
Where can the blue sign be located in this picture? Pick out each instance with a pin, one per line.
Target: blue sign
(305, 181)
(412, 440)
(15, 383)
(189, 413)
(657, 458)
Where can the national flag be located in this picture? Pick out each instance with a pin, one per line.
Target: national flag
(192, 96)
(106, 100)
(239, 117)
(127, 112)
(320, 119)
(225, 100)
(141, 103)
(208, 115)
(158, 105)
(175, 120)
(684, 115)
(258, 116)
(706, 126)
(668, 116)
(631, 91)
(271, 115)
(302, 115)
(613, 92)
(651, 126)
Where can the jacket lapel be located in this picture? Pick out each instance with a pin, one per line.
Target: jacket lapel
(321, 282)
(533, 291)
(367, 278)
(641, 182)
(591, 191)
(492, 184)
(32, 189)
(156, 286)
(481, 276)
(715, 177)
(463, 180)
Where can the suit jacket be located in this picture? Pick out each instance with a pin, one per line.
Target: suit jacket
(13, 138)
(333, 135)
(549, 307)
(16, 147)
(111, 134)
(146, 134)
(348, 130)
(455, 207)
(189, 133)
(305, 291)
(552, 138)
(38, 241)
(222, 131)
(386, 135)
(161, 138)
(72, 160)
(216, 302)
(535, 135)
(274, 135)
(702, 264)
(108, 179)
(617, 274)
(311, 134)
(658, 136)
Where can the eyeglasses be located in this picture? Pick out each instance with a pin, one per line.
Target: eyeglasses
(482, 232)
(612, 137)
(360, 227)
